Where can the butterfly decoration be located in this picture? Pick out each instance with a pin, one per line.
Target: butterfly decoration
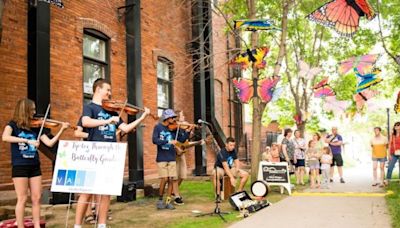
(322, 89)
(342, 15)
(254, 25)
(307, 72)
(265, 89)
(367, 80)
(301, 117)
(363, 98)
(397, 105)
(244, 89)
(362, 63)
(334, 105)
(256, 56)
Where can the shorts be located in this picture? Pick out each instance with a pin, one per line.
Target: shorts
(167, 169)
(26, 171)
(181, 167)
(313, 164)
(379, 159)
(337, 160)
(221, 172)
(300, 163)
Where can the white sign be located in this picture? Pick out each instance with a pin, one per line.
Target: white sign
(275, 173)
(89, 167)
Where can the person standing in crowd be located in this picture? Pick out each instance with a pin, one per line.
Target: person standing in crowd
(394, 146)
(287, 153)
(265, 156)
(326, 161)
(313, 155)
(319, 142)
(379, 144)
(26, 172)
(299, 156)
(335, 142)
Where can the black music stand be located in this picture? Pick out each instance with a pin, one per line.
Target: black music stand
(217, 209)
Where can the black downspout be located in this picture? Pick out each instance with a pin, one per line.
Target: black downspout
(39, 55)
(199, 82)
(134, 89)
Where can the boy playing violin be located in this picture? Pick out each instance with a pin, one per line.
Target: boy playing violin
(165, 139)
(26, 171)
(101, 126)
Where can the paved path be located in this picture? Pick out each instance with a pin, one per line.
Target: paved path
(353, 204)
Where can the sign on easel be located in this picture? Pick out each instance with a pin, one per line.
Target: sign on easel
(89, 167)
(275, 174)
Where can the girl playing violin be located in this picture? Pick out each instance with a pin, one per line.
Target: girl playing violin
(25, 158)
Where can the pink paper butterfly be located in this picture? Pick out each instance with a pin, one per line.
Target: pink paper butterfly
(364, 97)
(265, 89)
(322, 89)
(307, 72)
(334, 105)
(362, 63)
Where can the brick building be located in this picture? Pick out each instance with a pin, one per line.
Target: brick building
(147, 49)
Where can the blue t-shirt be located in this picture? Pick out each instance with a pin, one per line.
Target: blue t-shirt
(23, 153)
(161, 136)
(225, 156)
(335, 149)
(105, 133)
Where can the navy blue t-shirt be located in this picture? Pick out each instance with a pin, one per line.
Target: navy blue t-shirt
(106, 133)
(225, 156)
(23, 153)
(161, 136)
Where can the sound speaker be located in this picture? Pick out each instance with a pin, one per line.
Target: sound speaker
(128, 192)
(61, 198)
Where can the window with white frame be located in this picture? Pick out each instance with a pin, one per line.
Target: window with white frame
(164, 84)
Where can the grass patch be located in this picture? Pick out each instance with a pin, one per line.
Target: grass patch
(393, 202)
(198, 196)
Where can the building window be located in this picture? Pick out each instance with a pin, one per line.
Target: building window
(164, 84)
(95, 60)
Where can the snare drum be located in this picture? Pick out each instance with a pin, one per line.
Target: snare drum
(259, 188)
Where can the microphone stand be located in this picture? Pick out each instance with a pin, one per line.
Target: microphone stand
(217, 209)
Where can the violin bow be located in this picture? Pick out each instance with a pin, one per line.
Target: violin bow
(44, 120)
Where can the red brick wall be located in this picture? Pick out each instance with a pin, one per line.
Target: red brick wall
(13, 71)
(165, 31)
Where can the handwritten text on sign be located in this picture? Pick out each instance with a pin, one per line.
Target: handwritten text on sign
(89, 167)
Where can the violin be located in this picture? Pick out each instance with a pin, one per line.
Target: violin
(182, 125)
(49, 123)
(118, 106)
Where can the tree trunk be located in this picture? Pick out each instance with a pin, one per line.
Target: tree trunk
(258, 106)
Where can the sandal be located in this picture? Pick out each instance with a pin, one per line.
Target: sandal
(375, 184)
(109, 217)
(91, 219)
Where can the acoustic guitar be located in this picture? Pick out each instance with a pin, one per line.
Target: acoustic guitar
(182, 148)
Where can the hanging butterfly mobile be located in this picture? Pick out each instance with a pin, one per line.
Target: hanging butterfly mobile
(342, 15)
(265, 89)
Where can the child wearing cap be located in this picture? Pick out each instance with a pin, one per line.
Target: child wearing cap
(165, 139)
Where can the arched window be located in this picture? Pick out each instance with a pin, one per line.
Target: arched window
(164, 84)
(95, 60)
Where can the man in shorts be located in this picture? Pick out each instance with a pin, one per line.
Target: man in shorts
(227, 163)
(165, 139)
(379, 145)
(335, 142)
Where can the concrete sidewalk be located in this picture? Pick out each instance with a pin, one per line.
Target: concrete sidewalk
(353, 204)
